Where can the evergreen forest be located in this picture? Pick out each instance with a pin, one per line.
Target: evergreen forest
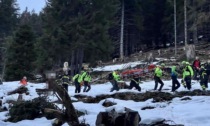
(86, 31)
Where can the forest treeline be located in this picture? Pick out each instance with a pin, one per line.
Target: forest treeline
(80, 31)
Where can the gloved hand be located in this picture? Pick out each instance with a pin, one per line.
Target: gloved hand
(183, 83)
(82, 83)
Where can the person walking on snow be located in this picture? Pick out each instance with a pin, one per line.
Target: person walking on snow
(76, 83)
(116, 78)
(187, 75)
(135, 83)
(82, 77)
(203, 78)
(207, 67)
(87, 80)
(157, 76)
(196, 66)
(175, 82)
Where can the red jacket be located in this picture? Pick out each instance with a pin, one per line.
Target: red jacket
(23, 82)
(197, 64)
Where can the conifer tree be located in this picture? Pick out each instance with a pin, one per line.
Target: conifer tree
(21, 55)
(8, 17)
(76, 27)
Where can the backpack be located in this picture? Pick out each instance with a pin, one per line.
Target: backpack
(110, 76)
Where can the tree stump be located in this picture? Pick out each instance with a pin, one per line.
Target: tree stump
(112, 118)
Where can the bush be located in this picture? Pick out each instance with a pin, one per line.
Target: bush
(30, 110)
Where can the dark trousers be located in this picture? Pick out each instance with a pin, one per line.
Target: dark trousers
(133, 84)
(196, 72)
(77, 87)
(204, 82)
(208, 73)
(175, 84)
(86, 86)
(158, 80)
(187, 80)
(65, 86)
(114, 85)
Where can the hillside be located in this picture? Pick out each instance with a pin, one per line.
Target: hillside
(202, 50)
(142, 60)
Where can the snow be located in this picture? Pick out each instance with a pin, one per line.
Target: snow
(119, 66)
(194, 112)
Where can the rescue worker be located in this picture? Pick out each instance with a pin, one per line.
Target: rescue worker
(65, 81)
(175, 82)
(135, 83)
(196, 66)
(187, 75)
(157, 76)
(82, 77)
(207, 67)
(116, 78)
(203, 78)
(76, 83)
(23, 81)
(87, 80)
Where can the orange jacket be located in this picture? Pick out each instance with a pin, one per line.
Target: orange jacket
(23, 82)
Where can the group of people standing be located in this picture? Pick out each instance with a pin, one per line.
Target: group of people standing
(79, 80)
(114, 78)
(195, 71)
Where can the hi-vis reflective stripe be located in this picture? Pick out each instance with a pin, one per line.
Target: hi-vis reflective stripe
(183, 84)
(204, 73)
(136, 81)
(203, 87)
(66, 77)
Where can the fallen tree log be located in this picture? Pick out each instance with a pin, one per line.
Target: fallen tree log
(60, 115)
(69, 115)
(19, 90)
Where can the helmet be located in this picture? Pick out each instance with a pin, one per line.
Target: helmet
(183, 62)
(162, 64)
(196, 57)
(187, 63)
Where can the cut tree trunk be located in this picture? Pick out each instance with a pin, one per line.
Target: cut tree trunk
(190, 52)
(69, 115)
(113, 118)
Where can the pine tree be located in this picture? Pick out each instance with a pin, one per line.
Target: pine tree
(76, 29)
(103, 17)
(33, 19)
(21, 55)
(8, 17)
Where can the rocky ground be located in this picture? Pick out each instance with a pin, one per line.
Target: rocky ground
(164, 55)
(156, 96)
